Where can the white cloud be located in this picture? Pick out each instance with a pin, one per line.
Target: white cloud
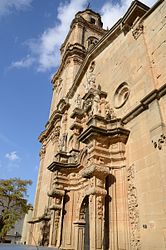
(46, 47)
(23, 63)
(44, 51)
(12, 156)
(7, 6)
(111, 12)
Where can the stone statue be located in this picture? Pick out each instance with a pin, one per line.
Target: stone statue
(91, 78)
(95, 106)
(62, 142)
(78, 101)
(109, 112)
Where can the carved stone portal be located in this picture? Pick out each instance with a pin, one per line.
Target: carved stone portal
(81, 166)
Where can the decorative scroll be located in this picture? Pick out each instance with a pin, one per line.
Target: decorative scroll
(133, 211)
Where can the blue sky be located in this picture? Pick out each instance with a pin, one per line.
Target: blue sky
(30, 37)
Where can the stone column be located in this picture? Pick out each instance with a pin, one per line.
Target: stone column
(96, 209)
(96, 193)
(56, 220)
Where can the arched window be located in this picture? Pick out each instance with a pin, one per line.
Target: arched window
(91, 42)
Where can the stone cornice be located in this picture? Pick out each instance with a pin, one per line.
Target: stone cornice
(151, 10)
(80, 20)
(95, 169)
(63, 160)
(96, 191)
(50, 125)
(56, 165)
(88, 10)
(156, 94)
(114, 133)
(39, 219)
(74, 49)
(136, 8)
(56, 192)
(110, 36)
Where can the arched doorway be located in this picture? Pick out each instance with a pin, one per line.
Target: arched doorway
(84, 215)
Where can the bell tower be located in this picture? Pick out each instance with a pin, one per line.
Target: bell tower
(86, 27)
(85, 31)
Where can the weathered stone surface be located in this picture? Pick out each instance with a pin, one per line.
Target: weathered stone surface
(103, 153)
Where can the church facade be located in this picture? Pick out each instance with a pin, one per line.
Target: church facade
(102, 176)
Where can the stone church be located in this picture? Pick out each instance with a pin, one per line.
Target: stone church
(102, 176)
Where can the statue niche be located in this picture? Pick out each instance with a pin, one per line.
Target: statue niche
(62, 145)
(91, 78)
(84, 217)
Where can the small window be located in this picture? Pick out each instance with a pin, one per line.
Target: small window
(92, 20)
(121, 95)
(91, 41)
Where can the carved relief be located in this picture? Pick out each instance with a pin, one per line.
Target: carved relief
(78, 101)
(58, 85)
(160, 142)
(55, 134)
(45, 228)
(100, 207)
(95, 106)
(109, 112)
(87, 104)
(91, 78)
(138, 31)
(62, 143)
(64, 121)
(91, 42)
(42, 151)
(133, 211)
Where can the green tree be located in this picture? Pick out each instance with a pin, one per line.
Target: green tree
(13, 203)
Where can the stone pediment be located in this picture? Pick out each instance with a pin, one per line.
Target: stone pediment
(62, 161)
(135, 11)
(113, 134)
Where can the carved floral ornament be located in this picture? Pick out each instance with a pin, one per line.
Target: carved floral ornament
(92, 116)
(133, 210)
(160, 142)
(94, 103)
